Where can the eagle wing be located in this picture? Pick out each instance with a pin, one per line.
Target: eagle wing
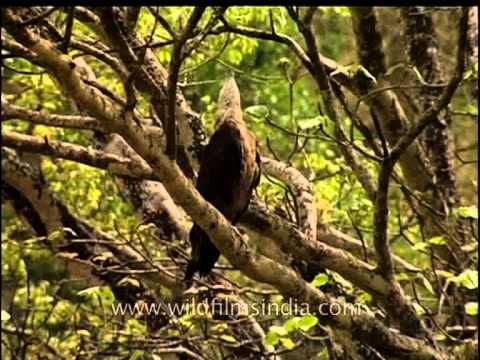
(221, 168)
(218, 182)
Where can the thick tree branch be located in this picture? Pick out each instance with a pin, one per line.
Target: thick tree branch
(17, 49)
(380, 238)
(423, 54)
(117, 164)
(368, 39)
(53, 216)
(98, 53)
(430, 114)
(302, 190)
(10, 111)
(151, 78)
(473, 36)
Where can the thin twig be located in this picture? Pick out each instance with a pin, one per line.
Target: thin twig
(174, 68)
(68, 31)
(34, 19)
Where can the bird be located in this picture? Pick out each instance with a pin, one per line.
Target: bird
(229, 173)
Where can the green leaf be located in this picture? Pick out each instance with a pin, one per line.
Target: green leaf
(89, 291)
(186, 320)
(445, 274)
(288, 343)
(283, 61)
(279, 330)
(291, 324)
(137, 355)
(471, 308)
(220, 327)
(340, 10)
(228, 338)
(402, 276)
(473, 246)
(305, 124)
(468, 74)
(418, 309)
(130, 281)
(257, 112)
(323, 355)
(235, 56)
(5, 316)
(471, 73)
(468, 279)
(467, 212)
(104, 292)
(320, 280)
(330, 154)
(307, 322)
(83, 332)
(55, 235)
(427, 284)
(437, 240)
(365, 298)
(420, 246)
(271, 338)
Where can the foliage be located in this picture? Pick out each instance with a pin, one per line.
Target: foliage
(281, 106)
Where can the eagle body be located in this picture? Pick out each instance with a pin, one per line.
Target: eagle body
(229, 173)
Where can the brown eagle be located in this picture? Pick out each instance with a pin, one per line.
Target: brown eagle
(229, 172)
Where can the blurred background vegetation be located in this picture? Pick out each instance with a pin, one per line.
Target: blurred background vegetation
(46, 314)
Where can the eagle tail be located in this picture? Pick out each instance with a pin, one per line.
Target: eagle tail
(204, 254)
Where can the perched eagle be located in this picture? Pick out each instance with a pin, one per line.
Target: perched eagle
(229, 172)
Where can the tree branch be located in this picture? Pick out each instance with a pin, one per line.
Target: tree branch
(402, 311)
(10, 111)
(369, 41)
(430, 114)
(118, 165)
(152, 79)
(173, 69)
(302, 189)
(52, 216)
